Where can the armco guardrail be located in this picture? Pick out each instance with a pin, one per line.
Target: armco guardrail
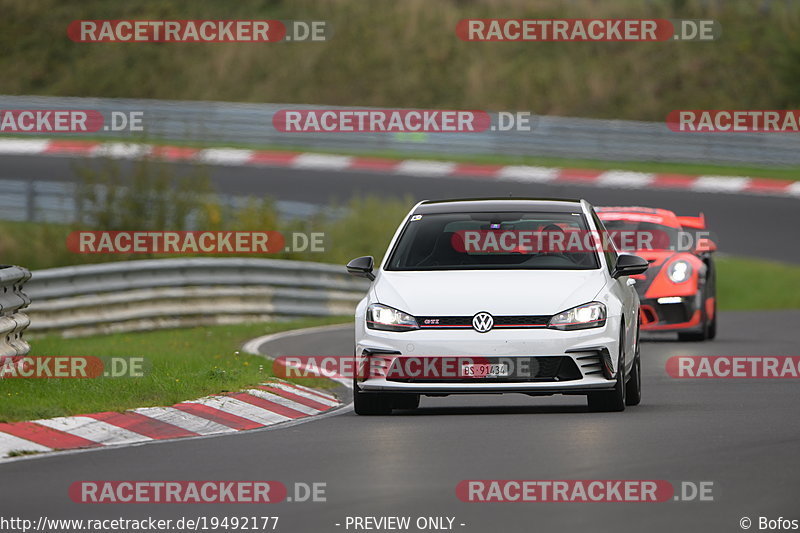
(12, 320)
(55, 201)
(164, 293)
(227, 122)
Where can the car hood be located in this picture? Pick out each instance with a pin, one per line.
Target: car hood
(506, 292)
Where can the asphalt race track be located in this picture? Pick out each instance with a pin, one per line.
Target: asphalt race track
(743, 435)
(740, 434)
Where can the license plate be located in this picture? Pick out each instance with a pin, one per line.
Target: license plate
(479, 370)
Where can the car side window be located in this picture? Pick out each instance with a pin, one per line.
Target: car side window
(609, 249)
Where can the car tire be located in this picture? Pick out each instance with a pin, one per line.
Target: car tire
(692, 336)
(695, 336)
(705, 326)
(612, 400)
(371, 403)
(712, 327)
(711, 292)
(633, 389)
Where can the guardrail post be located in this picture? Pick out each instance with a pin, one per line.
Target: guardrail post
(12, 321)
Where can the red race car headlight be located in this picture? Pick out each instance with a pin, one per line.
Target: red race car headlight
(679, 271)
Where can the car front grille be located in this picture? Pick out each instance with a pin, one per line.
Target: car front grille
(673, 313)
(500, 322)
(655, 313)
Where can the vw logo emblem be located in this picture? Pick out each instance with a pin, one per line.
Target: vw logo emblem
(482, 322)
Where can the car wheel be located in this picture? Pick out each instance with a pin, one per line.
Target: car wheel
(614, 399)
(371, 403)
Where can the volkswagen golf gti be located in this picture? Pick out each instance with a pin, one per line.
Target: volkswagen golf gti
(496, 296)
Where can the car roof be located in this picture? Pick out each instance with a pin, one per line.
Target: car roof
(487, 205)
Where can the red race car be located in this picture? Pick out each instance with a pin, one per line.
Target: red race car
(678, 291)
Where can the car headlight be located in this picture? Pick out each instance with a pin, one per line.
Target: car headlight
(389, 319)
(591, 315)
(679, 271)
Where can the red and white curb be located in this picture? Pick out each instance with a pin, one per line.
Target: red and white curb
(273, 402)
(412, 167)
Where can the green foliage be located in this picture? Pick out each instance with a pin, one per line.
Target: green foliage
(388, 53)
(148, 198)
(366, 228)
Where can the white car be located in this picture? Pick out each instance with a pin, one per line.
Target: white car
(460, 306)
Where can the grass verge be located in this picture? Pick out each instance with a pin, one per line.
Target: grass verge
(754, 284)
(183, 364)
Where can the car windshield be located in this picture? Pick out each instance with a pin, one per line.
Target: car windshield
(497, 240)
(634, 235)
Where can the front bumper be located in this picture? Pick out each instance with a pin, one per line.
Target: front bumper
(681, 316)
(588, 359)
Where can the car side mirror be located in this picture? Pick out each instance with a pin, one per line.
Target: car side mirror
(705, 245)
(629, 265)
(362, 267)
